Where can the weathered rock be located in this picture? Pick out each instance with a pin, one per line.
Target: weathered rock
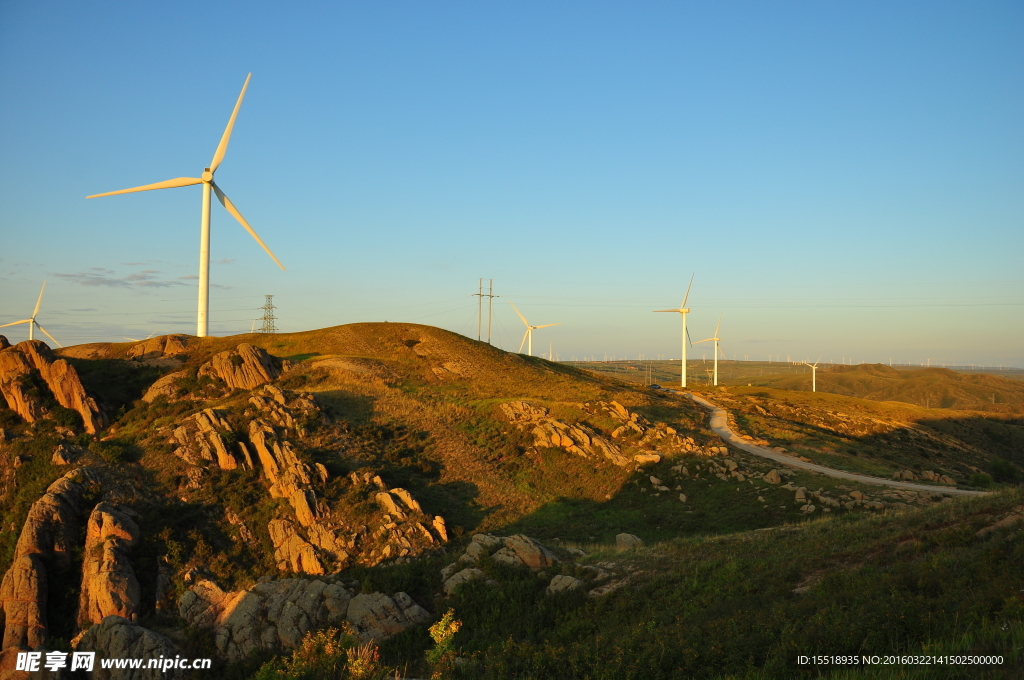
(378, 617)
(65, 454)
(628, 541)
(48, 535)
(773, 477)
(508, 557)
(292, 552)
(161, 347)
(118, 638)
(244, 367)
(166, 386)
(857, 495)
(647, 458)
(109, 586)
(270, 616)
(487, 540)
(532, 553)
(23, 599)
(464, 576)
(562, 584)
(59, 377)
(801, 494)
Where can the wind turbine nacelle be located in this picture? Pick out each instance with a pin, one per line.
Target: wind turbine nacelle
(207, 175)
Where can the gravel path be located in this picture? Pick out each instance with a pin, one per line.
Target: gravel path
(720, 424)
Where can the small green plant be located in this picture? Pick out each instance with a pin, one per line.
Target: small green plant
(980, 479)
(442, 657)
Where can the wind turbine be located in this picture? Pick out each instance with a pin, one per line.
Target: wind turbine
(716, 339)
(814, 375)
(137, 339)
(683, 311)
(529, 332)
(204, 235)
(31, 321)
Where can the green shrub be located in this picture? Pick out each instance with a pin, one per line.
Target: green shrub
(980, 479)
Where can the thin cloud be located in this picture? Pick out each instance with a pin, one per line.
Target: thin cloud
(98, 277)
(225, 260)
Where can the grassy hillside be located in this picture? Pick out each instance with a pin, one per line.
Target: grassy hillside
(738, 575)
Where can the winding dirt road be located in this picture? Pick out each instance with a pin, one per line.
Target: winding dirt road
(720, 424)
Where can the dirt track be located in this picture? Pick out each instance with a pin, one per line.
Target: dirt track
(720, 424)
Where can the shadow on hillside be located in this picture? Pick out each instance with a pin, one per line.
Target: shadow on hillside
(457, 502)
(357, 409)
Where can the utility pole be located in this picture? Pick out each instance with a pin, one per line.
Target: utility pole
(268, 316)
(479, 306)
(480, 295)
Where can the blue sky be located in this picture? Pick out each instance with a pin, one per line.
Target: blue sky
(845, 179)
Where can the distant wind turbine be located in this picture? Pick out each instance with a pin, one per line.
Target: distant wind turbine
(31, 321)
(137, 339)
(814, 375)
(204, 239)
(683, 311)
(529, 332)
(716, 339)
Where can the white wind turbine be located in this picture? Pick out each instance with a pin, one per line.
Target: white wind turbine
(31, 321)
(204, 239)
(715, 338)
(529, 332)
(683, 311)
(814, 375)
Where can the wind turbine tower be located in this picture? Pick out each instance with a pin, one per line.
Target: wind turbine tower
(716, 339)
(814, 375)
(31, 321)
(529, 332)
(683, 311)
(204, 234)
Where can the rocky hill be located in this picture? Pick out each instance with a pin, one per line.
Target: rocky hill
(232, 496)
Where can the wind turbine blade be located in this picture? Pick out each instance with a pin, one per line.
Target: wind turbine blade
(665, 310)
(222, 148)
(549, 324)
(520, 351)
(15, 323)
(132, 339)
(166, 184)
(688, 337)
(48, 335)
(39, 300)
(521, 317)
(230, 207)
(700, 341)
(816, 362)
(718, 325)
(687, 296)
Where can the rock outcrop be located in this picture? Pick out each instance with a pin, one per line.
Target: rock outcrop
(118, 638)
(17, 364)
(244, 367)
(48, 536)
(585, 440)
(277, 614)
(628, 542)
(200, 439)
(579, 439)
(109, 586)
(159, 349)
(377, 617)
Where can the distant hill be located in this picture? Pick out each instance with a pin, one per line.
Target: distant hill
(928, 387)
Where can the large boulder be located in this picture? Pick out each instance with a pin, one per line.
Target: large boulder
(160, 348)
(118, 638)
(48, 536)
(60, 378)
(244, 367)
(530, 552)
(109, 586)
(377, 617)
(628, 541)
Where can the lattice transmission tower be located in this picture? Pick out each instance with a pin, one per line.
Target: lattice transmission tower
(268, 316)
